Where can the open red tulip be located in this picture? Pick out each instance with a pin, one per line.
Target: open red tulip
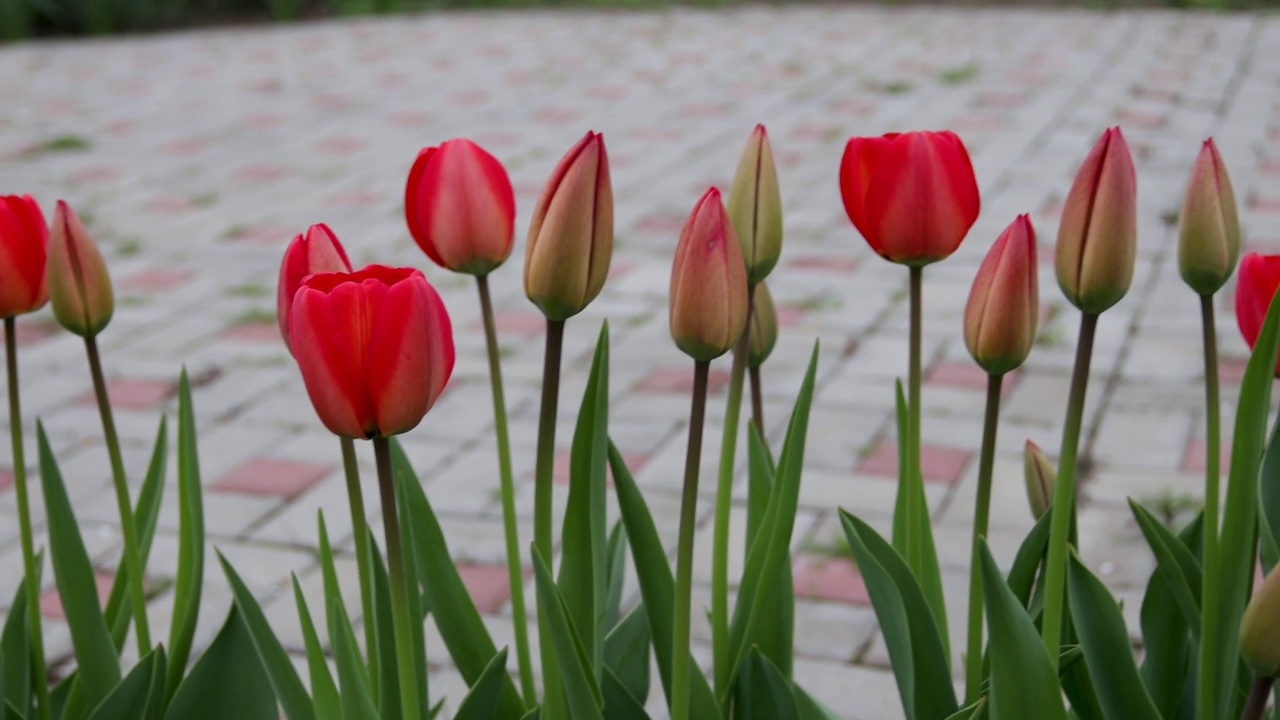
(316, 252)
(24, 250)
(1256, 283)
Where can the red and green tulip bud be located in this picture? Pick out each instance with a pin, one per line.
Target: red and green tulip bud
(1209, 226)
(1041, 477)
(755, 206)
(913, 195)
(460, 207)
(1260, 628)
(708, 283)
(1255, 286)
(24, 249)
(570, 240)
(764, 327)
(1000, 318)
(1098, 236)
(316, 252)
(375, 348)
(79, 285)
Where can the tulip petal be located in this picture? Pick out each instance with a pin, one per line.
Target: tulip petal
(23, 252)
(329, 331)
(556, 268)
(861, 155)
(415, 201)
(399, 355)
(464, 207)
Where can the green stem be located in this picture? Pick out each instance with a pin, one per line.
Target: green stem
(981, 516)
(1064, 492)
(132, 557)
(1257, 698)
(515, 569)
(757, 399)
(360, 532)
(30, 572)
(915, 553)
(684, 554)
(1208, 667)
(544, 466)
(409, 702)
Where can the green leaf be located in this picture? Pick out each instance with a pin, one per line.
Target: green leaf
(328, 704)
(228, 681)
(1175, 564)
(1107, 650)
(1168, 651)
(972, 711)
(619, 703)
(582, 693)
(130, 699)
(386, 687)
(626, 653)
(418, 642)
(775, 639)
(910, 630)
(763, 693)
(77, 587)
(333, 602)
(481, 703)
(1022, 576)
(1024, 682)
(357, 703)
(616, 571)
(118, 612)
(1077, 685)
(190, 577)
(15, 648)
(1270, 494)
(760, 475)
(284, 678)
(811, 708)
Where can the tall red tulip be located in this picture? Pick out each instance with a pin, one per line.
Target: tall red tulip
(79, 284)
(1004, 303)
(1256, 283)
(24, 248)
(708, 309)
(375, 348)
(912, 195)
(316, 252)
(460, 207)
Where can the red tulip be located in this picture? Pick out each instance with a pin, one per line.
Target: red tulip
(316, 252)
(79, 285)
(375, 348)
(708, 283)
(460, 207)
(1000, 318)
(912, 195)
(1256, 283)
(24, 248)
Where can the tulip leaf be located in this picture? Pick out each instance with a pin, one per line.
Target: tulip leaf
(1024, 681)
(146, 513)
(481, 702)
(762, 691)
(1022, 575)
(972, 711)
(1270, 489)
(811, 708)
(1077, 685)
(657, 587)
(190, 575)
(1167, 660)
(328, 704)
(15, 649)
(619, 703)
(626, 652)
(132, 697)
(616, 572)
(760, 474)
(417, 633)
(581, 691)
(228, 681)
(774, 639)
(1176, 566)
(328, 572)
(77, 587)
(385, 687)
(357, 702)
(910, 630)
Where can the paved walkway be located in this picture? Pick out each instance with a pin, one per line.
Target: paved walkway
(194, 157)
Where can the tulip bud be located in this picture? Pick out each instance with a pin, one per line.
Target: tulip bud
(1209, 237)
(460, 207)
(1260, 628)
(1040, 477)
(79, 285)
(755, 206)
(1097, 240)
(571, 234)
(708, 283)
(24, 248)
(764, 327)
(1000, 318)
(316, 252)
(1255, 286)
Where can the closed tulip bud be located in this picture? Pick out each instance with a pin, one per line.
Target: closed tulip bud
(1098, 237)
(316, 252)
(708, 283)
(764, 327)
(1000, 318)
(1040, 477)
(375, 348)
(460, 207)
(755, 206)
(1209, 226)
(24, 249)
(912, 195)
(1260, 628)
(571, 235)
(79, 285)
(1255, 286)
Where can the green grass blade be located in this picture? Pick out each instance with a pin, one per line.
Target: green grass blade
(146, 514)
(227, 681)
(190, 575)
(357, 703)
(328, 704)
(582, 693)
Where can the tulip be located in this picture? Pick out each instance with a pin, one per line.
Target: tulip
(24, 246)
(1000, 318)
(571, 235)
(912, 195)
(375, 348)
(316, 252)
(1255, 286)
(764, 327)
(1260, 628)
(708, 283)
(79, 285)
(1209, 237)
(1097, 239)
(1040, 477)
(755, 206)
(460, 207)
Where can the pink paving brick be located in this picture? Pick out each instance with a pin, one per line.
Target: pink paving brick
(1194, 459)
(254, 332)
(155, 279)
(1149, 120)
(679, 380)
(965, 375)
(560, 470)
(661, 224)
(127, 393)
(789, 315)
(828, 578)
(51, 603)
(184, 147)
(261, 235)
(516, 322)
(410, 118)
(1267, 204)
(261, 173)
(1231, 370)
(341, 144)
(30, 331)
(170, 204)
(487, 584)
(264, 120)
(824, 263)
(6, 479)
(1269, 166)
(938, 463)
(273, 477)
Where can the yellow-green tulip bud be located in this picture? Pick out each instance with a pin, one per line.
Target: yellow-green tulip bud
(1260, 628)
(1209, 236)
(764, 327)
(1041, 477)
(755, 207)
(79, 285)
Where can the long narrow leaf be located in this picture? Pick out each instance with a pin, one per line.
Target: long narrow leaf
(481, 702)
(357, 703)
(1176, 565)
(227, 681)
(619, 703)
(323, 690)
(417, 634)
(616, 572)
(1270, 494)
(128, 701)
(763, 693)
(626, 653)
(582, 693)
(190, 576)
(385, 688)
(146, 514)
(15, 648)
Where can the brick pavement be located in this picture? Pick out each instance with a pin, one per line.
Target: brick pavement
(195, 156)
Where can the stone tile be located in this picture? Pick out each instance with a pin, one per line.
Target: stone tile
(938, 463)
(272, 477)
(679, 381)
(51, 602)
(127, 393)
(829, 578)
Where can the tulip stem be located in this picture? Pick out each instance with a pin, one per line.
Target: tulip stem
(680, 668)
(360, 533)
(544, 465)
(132, 558)
(515, 570)
(757, 400)
(399, 588)
(981, 516)
(1258, 696)
(31, 582)
(1064, 491)
(1208, 666)
(910, 497)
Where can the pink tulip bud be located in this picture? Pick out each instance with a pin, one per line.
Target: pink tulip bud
(1209, 237)
(755, 205)
(79, 284)
(316, 252)
(1097, 240)
(460, 207)
(1004, 306)
(708, 283)
(24, 249)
